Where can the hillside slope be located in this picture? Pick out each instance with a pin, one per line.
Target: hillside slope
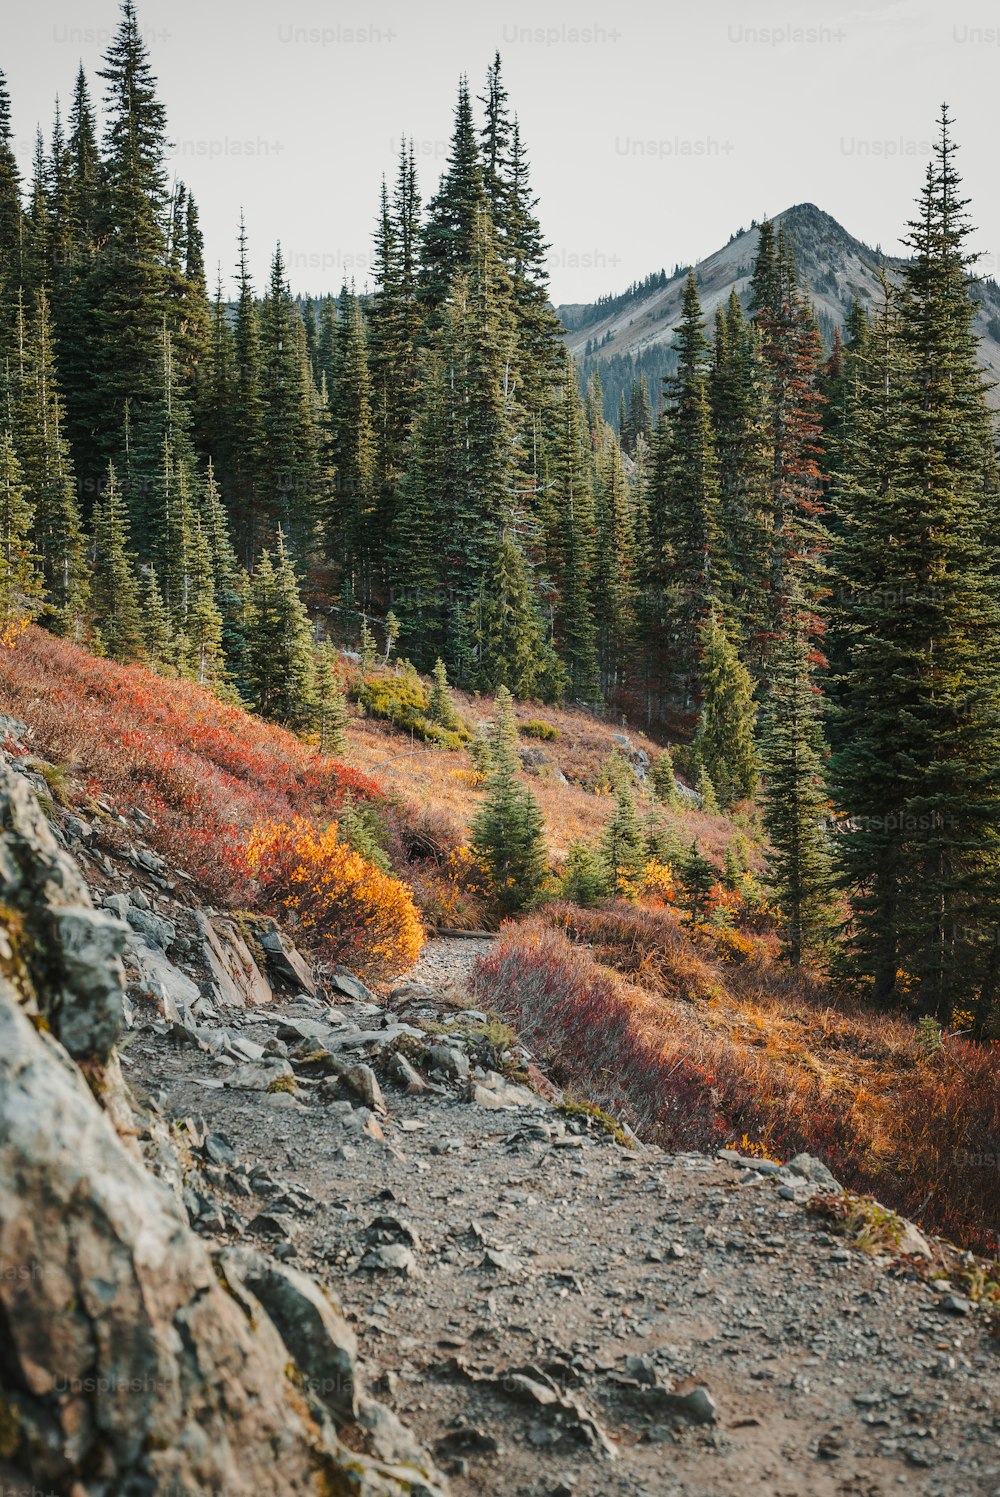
(549, 1310)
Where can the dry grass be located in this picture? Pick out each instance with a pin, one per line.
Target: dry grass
(569, 767)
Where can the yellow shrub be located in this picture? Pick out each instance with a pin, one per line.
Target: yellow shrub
(331, 895)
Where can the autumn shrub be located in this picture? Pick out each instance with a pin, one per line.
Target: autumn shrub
(401, 698)
(336, 900)
(625, 1005)
(536, 727)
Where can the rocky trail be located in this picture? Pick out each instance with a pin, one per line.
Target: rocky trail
(529, 1304)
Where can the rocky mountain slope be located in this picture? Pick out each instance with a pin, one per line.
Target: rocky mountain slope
(262, 1229)
(836, 268)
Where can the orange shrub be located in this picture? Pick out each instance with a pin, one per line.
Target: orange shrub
(334, 898)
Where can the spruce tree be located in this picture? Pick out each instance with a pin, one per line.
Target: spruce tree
(47, 473)
(279, 670)
(683, 568)
(724, 741)
(358, 540)
(795, 798)
(454, 213)
(11, 216)
(332, 714)
(245, 487)
(614, 566)
(507, 833)
(114, 588)
(202, 625)
(623, 844)
(158, 641)
(663, 780)
(916, 777)
(130, 274)
(707, 797)
(20, 580)
(570, 542)
(290, 475)
(440, 707)
(698, 876)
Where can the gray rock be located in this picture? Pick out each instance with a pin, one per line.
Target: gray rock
(499, 1095)
(257, 1076)
(449, 1060)
(808, 1167)
(391, 1257)
(406, 1076)
(170, 988)
(284, 962)
(79, 991)
(153, 927)
(363, 1083)
(118, 904)
(342, 981)
(240, 981)
(312, 1327)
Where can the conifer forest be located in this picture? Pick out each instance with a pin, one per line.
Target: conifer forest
(785, 562)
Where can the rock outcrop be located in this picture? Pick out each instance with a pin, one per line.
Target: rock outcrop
(131, 1360)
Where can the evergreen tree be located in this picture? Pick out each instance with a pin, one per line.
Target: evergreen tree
(585, 877)
(683, 507)
(130, 278)
(114, 588)
(699, 877)
(454, 214)
(916, 776)
(290, 470)
(11, 215)
(358, 540)
(724, 740)
(158, 641)
(202, 625)
(795, 798)
(509, 637)
(47, 472)
(76, 295)
(440, 707)
(245, 487)
(614, 566)
(20, 581)
(706, 792)
(507, 833)
(623, 845)
(570, 542)
(279, 670)
(740, 434)
(332, 714)
(663, 780)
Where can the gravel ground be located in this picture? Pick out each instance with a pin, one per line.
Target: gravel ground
(553, 1314)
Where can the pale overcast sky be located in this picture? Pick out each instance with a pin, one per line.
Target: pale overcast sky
(655, 129)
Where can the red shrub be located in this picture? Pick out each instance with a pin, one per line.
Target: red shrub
(207, 772)
(700, 1055)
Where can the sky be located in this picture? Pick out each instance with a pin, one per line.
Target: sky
(655, 130)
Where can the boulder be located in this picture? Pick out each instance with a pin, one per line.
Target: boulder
(240, 981)
(67, 954)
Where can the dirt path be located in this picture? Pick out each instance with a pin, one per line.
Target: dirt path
(556, 1298)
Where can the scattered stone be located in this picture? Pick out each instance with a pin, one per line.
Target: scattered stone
(363, 1082)
(449, 1060)
(392, 1257)
(406, 1076)
(808, 1167)
(499, 1095)
(258, 1076)
(345, 982)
